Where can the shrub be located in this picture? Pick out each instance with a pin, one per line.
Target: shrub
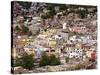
(63, 7)
(27, 61)
(54, 60)
(49, 60)
(25, 4)
(44, 60)
(25, 29)
(83, 13)
(43, 16)
(17, 28)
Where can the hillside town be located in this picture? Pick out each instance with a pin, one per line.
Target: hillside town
(57, 37)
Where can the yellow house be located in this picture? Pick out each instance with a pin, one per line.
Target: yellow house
(29, 50)
(52, 43)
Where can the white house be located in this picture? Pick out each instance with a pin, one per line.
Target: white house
(64, 26)
(77, 53)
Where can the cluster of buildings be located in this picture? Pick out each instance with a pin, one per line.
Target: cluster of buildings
(73, 38)
(54, 41)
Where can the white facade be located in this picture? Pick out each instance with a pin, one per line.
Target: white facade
(77, 53)
(64, 26)
(74, 51)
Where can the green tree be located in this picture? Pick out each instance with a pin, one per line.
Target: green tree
(43, 16)
(54, 60)
(49, 60)
(44, 60)
(27, 61)
(46, 16)
(25, 5)
(63, 7)
(83, 13)
(49, 14)
(25, 29)
(17, 62)
(17, 29)
(51, 9)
